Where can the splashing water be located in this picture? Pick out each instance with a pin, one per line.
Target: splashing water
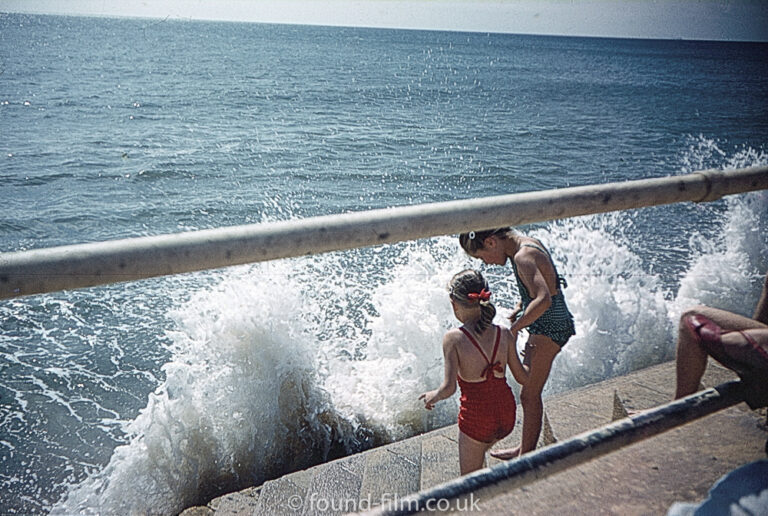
(240, 404)
(726, 268)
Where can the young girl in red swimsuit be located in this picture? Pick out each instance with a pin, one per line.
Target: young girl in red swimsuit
(488, 407)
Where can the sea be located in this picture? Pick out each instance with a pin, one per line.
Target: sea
(152, 396)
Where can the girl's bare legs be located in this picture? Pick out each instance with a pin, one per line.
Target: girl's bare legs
(691, 358)
(543, 351)
(471, 453)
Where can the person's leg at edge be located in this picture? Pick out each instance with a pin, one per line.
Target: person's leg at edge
(471, 453)
(543, 352)
(761, 310)
(758, 337)
(691, 360)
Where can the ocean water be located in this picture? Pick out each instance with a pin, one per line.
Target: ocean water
(152, 396)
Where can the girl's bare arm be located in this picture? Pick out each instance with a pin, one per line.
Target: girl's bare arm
(519, 371)
(448, 387)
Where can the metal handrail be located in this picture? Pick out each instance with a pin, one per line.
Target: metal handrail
(574, 451)
(85, 265)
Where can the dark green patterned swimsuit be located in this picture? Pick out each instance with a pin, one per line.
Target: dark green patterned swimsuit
(557, 322)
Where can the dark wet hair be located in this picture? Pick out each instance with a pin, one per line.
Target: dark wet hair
(473, 240)
(467, 282)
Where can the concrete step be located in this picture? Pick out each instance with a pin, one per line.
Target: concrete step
(392, 470)
(285, 495)
(439, 456)
(686, 461)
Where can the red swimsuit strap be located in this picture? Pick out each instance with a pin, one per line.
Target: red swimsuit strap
(490, 364)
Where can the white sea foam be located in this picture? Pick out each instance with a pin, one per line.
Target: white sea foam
(240, 403)
(619, 310)
(403, 353)
(727, 271)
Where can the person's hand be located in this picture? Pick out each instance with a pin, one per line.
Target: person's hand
(518, 308)
(428, 398)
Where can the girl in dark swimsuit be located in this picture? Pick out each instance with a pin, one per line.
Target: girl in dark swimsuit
(488, 406)
(544, 314)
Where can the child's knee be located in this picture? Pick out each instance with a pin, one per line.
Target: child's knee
(695, 310)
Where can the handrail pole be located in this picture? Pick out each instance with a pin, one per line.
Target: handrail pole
(572, 452)
(98, 263)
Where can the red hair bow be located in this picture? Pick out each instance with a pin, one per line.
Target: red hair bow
(485, 295)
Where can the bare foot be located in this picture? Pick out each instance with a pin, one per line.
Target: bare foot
(506, 454)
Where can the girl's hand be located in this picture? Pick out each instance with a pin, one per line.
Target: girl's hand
(516, 312)
(429, 399)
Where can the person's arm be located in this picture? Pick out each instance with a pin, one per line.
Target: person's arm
(536, 284)
(448, 387)
(761, 311)
(516, 311)
(519, 371)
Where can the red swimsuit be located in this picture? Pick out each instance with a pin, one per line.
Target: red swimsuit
(488, 408)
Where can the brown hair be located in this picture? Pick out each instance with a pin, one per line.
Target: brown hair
(467, 282)
(473, 240)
